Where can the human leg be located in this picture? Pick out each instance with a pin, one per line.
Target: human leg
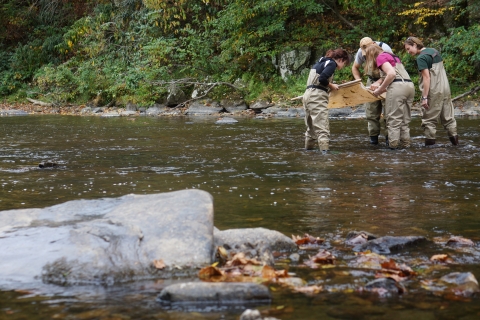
(316, 120)
(394, 114)
(406, 102)
(447, 119)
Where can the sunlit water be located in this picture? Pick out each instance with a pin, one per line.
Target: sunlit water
(260, 176)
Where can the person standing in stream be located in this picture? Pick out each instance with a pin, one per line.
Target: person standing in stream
(436, 96)
(373, 110)
(315, 98)
(395, 80)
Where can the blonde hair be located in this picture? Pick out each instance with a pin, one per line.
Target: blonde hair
(371, 54)
(413, 40)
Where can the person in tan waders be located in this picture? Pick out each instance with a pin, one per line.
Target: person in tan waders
(395, 80)
(373, 110)
(436, 96)
(315, 98)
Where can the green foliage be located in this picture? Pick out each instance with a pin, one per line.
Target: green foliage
(132, 50)
(461, 53)
(250, 33)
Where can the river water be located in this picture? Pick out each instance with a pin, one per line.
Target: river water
(260, 176)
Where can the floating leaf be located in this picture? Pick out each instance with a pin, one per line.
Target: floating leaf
(307, 240)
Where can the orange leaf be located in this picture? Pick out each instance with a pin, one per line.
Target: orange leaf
(210, 271)
(268, 272)
(159, 264)
(439, 258)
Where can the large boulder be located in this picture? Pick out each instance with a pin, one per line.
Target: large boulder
(107, 240)
(175, 95)
(293, 61)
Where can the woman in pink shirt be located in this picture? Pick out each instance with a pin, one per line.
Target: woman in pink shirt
(400, 93)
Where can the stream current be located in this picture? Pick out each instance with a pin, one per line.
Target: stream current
(259, 176)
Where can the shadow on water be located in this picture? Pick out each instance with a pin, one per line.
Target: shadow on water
(260, 176)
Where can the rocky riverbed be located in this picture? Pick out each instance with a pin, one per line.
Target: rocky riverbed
(171, 235)
(258, 109)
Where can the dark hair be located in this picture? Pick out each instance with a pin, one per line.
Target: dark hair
(339, 54)
(412, 40)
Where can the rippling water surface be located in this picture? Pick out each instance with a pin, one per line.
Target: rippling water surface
(260, 176)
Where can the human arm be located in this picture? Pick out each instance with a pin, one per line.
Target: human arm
(356, 71)
(426, 87)
(327, 73)
(390, 72)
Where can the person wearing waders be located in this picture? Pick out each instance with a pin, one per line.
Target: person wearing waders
(395, 80)
(315, 98)
(373, 110)
(436, 96)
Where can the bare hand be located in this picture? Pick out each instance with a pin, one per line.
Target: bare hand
(378, 92)
(333, 86)
(374, 86)
(425, 104)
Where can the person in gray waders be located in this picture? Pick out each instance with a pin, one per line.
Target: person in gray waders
(399, 98)
(373, 110)
(436, 96)
(315, 98)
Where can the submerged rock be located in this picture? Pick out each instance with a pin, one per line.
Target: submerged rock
(384, 286)
(461, 283)
(226, 293)
(254, 242)
(226, 120)
(359, 237)
(387, 244)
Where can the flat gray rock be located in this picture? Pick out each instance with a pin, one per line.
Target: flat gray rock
(204, 107)
(234, 106)
(108, 240)
(128, 113)
(218, 293)
(110, 115)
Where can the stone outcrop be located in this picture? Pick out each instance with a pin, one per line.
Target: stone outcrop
(108, 240)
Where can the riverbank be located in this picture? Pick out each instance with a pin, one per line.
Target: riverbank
(259, 109)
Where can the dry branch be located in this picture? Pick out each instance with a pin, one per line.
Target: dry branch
(40, 103)
(472, 91)
(189, 81)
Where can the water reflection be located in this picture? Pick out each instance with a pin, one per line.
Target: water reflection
(259, 176)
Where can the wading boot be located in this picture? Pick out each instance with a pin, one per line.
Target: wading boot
(394, 144)
(429, 142)
(324, 147)
(310, 143)
(386, 141)
(405, 143)
(374, 140)
(454, 140)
